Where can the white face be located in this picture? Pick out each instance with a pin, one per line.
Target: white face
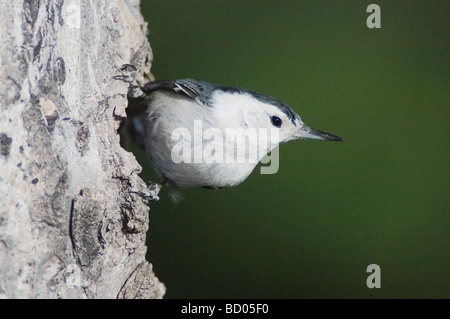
(244, 111)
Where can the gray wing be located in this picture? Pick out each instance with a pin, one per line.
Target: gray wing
(198, 91)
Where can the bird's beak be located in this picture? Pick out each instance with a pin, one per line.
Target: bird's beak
(308, 132)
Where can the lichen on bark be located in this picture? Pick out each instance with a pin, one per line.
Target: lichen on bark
(72, 222)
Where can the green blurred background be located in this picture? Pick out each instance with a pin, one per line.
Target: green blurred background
(332, 209)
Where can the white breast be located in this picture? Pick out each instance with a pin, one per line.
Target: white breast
(184, 141)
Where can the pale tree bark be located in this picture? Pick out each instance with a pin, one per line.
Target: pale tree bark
(73, 210)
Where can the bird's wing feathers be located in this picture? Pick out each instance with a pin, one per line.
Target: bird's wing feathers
(190, 88)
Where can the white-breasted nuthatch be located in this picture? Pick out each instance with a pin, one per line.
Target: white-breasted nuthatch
(187, 124)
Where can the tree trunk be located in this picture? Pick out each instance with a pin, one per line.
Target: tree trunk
(73, 210)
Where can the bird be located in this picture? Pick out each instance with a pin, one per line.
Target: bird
(201, 134)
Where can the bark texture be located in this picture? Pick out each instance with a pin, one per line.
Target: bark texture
(73, 210)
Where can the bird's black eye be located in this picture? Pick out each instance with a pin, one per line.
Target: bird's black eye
(276, 121)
